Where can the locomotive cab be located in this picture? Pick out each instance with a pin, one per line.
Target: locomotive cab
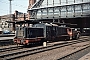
(27, 35)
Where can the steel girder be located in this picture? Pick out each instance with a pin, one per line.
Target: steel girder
(63, 11)
(37, 4)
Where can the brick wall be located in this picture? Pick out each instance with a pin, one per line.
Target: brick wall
(31, 2)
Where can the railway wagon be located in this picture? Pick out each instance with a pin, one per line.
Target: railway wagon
(41, 32)
(75, 34)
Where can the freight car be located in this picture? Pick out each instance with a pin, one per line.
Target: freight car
(42, 32)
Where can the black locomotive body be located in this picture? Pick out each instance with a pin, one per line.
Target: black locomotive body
(53, 32)
(41, 32)
(27, 35)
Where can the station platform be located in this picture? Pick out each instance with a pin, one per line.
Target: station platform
(85, 57)
(6, 39)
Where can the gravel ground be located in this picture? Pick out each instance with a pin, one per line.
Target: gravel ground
(85, 57)
(7, 46)
(55, 53)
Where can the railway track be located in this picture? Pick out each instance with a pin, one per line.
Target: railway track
(10, 48)
(76, 54)
(13, 54)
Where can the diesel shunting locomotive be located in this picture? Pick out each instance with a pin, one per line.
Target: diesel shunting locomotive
(33, 32)
(42, 32)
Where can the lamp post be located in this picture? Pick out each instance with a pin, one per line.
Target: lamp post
(10, 11)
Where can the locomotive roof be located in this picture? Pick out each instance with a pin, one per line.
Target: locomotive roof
(59, 24)
(62, 23)
(35, 27)
(47, 24)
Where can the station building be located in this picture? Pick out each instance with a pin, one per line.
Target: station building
(69, 11)
(19, 16)
(15, 16)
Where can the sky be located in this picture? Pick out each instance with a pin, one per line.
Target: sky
(19, 5)
(22, 5)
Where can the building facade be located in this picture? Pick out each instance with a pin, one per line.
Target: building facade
(31, 2)
(4, 25)
(15, 16)
(20, 16)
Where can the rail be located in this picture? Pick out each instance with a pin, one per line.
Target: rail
(26, 52)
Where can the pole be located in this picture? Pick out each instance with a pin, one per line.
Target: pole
(10, 9)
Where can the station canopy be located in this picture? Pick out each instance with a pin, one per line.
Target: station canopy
(46, 3)
(40, 21)
(23, 22)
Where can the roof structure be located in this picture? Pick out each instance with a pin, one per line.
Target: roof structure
(46, 9)
(23, 22)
